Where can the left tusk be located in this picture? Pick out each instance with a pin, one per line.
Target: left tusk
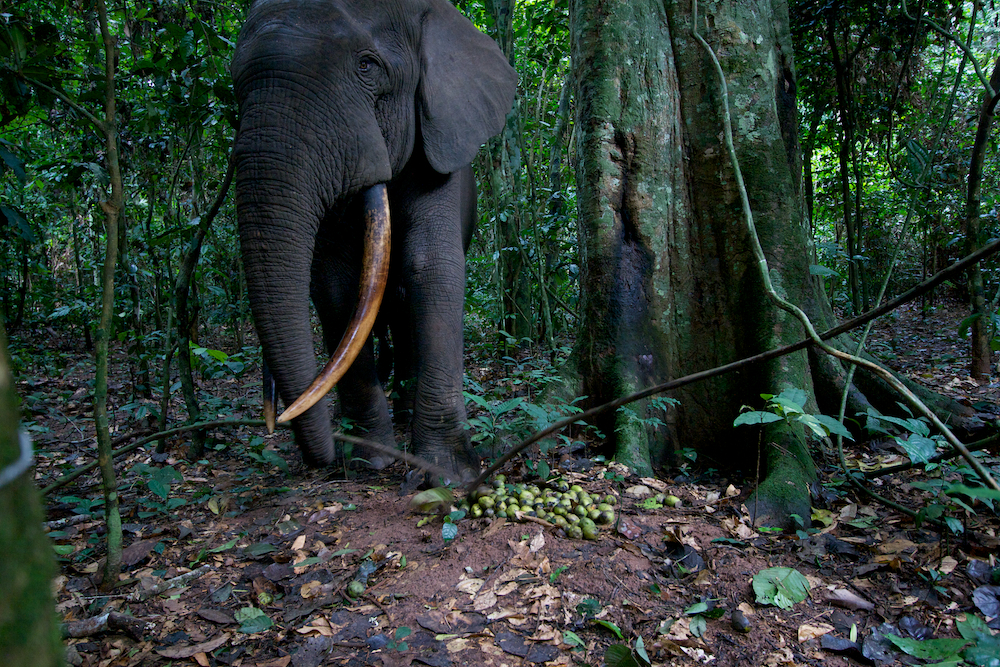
(374, 273)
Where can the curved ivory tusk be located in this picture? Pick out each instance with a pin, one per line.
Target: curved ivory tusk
(374, 272)
(270, 398)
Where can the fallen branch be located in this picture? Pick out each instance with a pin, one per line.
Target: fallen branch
(111, 621)
(69, 477)
(937, 458)
(176, 582)
(911, 294)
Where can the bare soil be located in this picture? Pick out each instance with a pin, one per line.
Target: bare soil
(284, 547)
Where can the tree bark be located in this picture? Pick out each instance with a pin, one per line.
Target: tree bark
(112, 210)
(668, 284)
(28, 631)
(505, 150)
(982, 327)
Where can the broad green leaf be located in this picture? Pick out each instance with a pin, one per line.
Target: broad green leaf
(259, 549)
(929, 649)
(780, 586)
(619, 655)
(971, 627)
(508, 405)
(756, 417)
(696, 608)
(834, 426)
(797, 397)
(275, 459)
(610, 626)
(225, 547)
(972, 491)
(449, 531)
(918, 448)
(820, 270)
(985, 652)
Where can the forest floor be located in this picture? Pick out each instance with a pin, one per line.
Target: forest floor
(274, 551)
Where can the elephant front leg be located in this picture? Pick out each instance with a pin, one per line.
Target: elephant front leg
(362, 400)
(434, 274)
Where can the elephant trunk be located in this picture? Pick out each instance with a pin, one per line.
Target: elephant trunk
(278, 228)
(374, 273)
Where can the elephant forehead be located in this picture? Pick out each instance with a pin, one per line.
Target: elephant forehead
(331, 18)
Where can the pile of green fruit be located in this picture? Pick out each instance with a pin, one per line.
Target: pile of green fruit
(571, 508)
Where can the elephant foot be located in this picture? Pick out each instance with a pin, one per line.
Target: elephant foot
(366, 457)
(462, 466)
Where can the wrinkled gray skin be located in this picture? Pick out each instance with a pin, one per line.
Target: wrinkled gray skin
(336, 96)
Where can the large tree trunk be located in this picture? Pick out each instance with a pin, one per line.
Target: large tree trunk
(669, 282)
(981, 326)
(28, 630)
(669, 285)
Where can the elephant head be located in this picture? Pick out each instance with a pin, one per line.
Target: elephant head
(336, 98)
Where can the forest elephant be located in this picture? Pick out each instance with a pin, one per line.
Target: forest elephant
(358, 122)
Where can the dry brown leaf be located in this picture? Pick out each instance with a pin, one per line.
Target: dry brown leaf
(458, 645)
(310, 589)
(896, 546)
(183, 652)
(841, 597)
(470, 586)
(809, 631)
(484, 601)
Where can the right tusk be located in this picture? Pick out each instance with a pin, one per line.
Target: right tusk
(374, 274)
(270, 398)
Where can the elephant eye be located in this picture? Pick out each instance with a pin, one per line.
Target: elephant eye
(367, 64)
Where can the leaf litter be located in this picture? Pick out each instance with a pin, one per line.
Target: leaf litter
(273, 554)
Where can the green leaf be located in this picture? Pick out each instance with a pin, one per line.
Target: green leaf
(640, 649)
(15, 164)
(755, 418)
(963, 328)
(158, 488)
(788, 405)
(696, 608)
(508, 405)
(449, 531)
(402, 632)
(820, 270)
(610, 626)
(834, 426)
(698, 625)
(971, 627)
(780, 586)
(929, 649)
(275, 459)
(226, 547)
(589, 607)
(256, 624)
(573, 639)
(917, 447)
(793, 396)
(259, 549)
(985, 652)
(972, 491)
(619, 655)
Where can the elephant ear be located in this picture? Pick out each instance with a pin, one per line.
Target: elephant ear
(466, 88)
